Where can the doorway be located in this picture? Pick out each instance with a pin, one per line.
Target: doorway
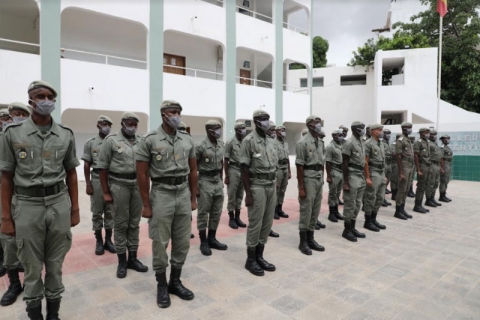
(245, 77)
(174, 64)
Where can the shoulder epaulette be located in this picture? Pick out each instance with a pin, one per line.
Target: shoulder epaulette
(400, 139)
(12, 125)
(182, 132)
(110, 135)
(91, 139)
(65, 127)
(248, 137)
(151, 133)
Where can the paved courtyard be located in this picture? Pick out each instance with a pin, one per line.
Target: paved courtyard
(424, 268)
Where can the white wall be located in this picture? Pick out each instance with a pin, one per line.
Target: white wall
(296, 47)
(19, 28)
(250, 98)
(296, 107)
(255, 34)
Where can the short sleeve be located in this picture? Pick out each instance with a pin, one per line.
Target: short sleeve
(105, 154)
(329, 154)
(398, 147)
(199, 149)
(87, 152)
(347, 149)
(71, 161)
(245, 152)
(192, 155)
(416, 146)
(368, 149)
(143, 151)
(228, 149)
(7, 156)
(300, 150)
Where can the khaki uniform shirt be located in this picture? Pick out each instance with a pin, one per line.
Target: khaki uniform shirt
(404, 147)
(258, 153)
(310, 152)
(435, 151)
(38, 159)
(232, 150)
(355, 149)
(333, 152)
(167, 157)
(447, 153)
(388, 153)
(375, 151)
(282, 153)
(91, 151)
(423, 149)
(209, 157)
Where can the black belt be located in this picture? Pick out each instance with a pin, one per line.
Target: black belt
(376, 166)
(126, 176)
(263, 176)
(435, 162)
(96, 170)
(355, 166)
(388, 158)
(336, 166)
(394, 157)
(283, 162)
(212, 173)
(316, 167)
(40, 192)
(233, 164)
(423, 162)
(407, 159)
(447, 160)
(173, 181)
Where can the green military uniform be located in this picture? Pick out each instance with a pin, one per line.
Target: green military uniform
(355, 149)
(394, 175)
(388, 160)
(422, 147)
(39, 158)
(447, 157)
(281, 146)
(168, 157)
(434, 177)
(101, 212)
(235, 187)
(210, 202)
(404, 148)
(118, 157)
(333, 154)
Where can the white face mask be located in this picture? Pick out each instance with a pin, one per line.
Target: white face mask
(129, 130)
(44, 107)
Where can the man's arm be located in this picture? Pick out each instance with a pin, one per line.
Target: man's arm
(345, 162)
(72, 185)
(86, 172)
(8, 226)
(143, 187)
(417, 164)
(246, 185)
(193, 182)
(225, 168)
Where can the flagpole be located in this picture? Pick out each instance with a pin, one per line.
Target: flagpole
(439, 71)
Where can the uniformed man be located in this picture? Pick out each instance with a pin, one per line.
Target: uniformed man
(404, 153)
(375, 157)
(353, 156)
(365, 138)
(421, 151)
(388, 163)
(368, 134)
(310, 166)
(445, 167)
(233, 177)
(394, 176)
(118, 178)
(101, 211)
(345, 134)
(434, 177)
(38, 163)
(271, 134)
(411, 193)
(333, 159)
(283, 172)
(258, 162)
(210, 153)
(5, 119)
(19, 113)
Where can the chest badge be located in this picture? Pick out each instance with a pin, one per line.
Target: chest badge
(120, 150)
(207, 160)
(95, 154)
(22, 154)
(257, 155)
(159, 157)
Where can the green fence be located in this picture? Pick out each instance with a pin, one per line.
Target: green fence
(466, 168)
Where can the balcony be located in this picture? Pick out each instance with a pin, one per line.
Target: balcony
(254, 68)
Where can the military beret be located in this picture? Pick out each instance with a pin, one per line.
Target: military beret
(357, 123)
(311, 118)
(104, 118)
(18, 106)
(272, 124)
(260, 112)
(240, 125)
(183, 125)
(342, 127)
(423, 130)
(368, 127)
(386, 131)
(406, 124)
(4, 113)
(280, 128)
(170, 104)
(212, 122)
(433, 131)
(129, 115)
(41, 84)
(376, 126)
(337, 131)
(445, 136)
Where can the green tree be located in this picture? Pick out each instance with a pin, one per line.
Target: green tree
(319, 51)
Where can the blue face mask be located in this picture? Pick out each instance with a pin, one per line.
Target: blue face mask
(19, 119)
(129, 130)
(216, 133)
(44, 107)
(263, 125)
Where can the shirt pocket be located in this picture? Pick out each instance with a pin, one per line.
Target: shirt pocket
(53, 157)
(161, 157)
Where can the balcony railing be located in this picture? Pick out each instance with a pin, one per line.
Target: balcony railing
(19, 46)
(102, 58)
(254, 82)
(254, 14)
(218, 3)
(196, 73)
(289, 26)
(295, 89)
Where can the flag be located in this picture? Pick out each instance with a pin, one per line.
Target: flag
(442, 7)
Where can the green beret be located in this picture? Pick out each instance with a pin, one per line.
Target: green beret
(18, 106)
(433, 132)
(42, 84)
(386, 131)
(104, 118)
(183, 125)
(272, 125)
(445, 136)
(376, 126)
(4, 113)
(423, 130)
(259, 113)
(130, 115)
(240, 125)
(337, 131)
(406, 124)
(212, 123)
(170, 104)
(311, 118)
(280, 128)
(357, 123)
(342, 127)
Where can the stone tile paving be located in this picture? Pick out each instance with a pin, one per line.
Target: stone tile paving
(424, 268)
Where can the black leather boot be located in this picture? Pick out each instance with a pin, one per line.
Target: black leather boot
(376, 223)
(252, 264)
(312, 243)
(163, 298)
(204, 247)
(331, 216)
(405, 213)
(273, 234)
(438, 204)
(238, 220)
(275, 215)
(213, 243)
(394, 195)
(303, 246)
(135, 264)
(192, 236)
(418, 207)
(355, 232)
(264, 264)
(176, 287)
(443, 197)
(99, 243)
(347, 232)
(14, 289)
(108, 245)
(387, 191)
(122, 265)
(231, 222)
(411, 194)
(449, 200)
(319, 225)
(384, 203)
(429, 203)
(34, 310)
(53, 306)
(3, 270)
(338, 215)
(398, 212)
(340, 203)
(20, 267)
(369, 225)
(280, 212)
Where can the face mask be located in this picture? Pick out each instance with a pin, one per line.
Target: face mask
(129, 130)
(408, 131)
(243, 132)
(105, 130)
(272, 135)
(361, 132)
(174, 121)
(263, 125)
(216, 133)
(380, 135)
(427, 136)
(19, 119)
(386, 137)
(283, 134)
(433, 138)
(446, 142)
(44, 107)
(317, 128)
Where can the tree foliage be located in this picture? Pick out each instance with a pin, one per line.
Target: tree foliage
(319, 51)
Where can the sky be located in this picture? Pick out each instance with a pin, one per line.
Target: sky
(348, 24)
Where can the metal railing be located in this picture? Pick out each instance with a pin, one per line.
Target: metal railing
(254, 14)
(13, 44)
(289, 26)
(255, 82)
(196, 73)
(295, 89)
(218, 3)
(102, 58)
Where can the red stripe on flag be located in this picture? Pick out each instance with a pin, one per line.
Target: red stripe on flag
(442, 7)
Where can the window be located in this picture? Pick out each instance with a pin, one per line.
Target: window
(353, 80)
(392, 71)
(316, 82)
(393, 117)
